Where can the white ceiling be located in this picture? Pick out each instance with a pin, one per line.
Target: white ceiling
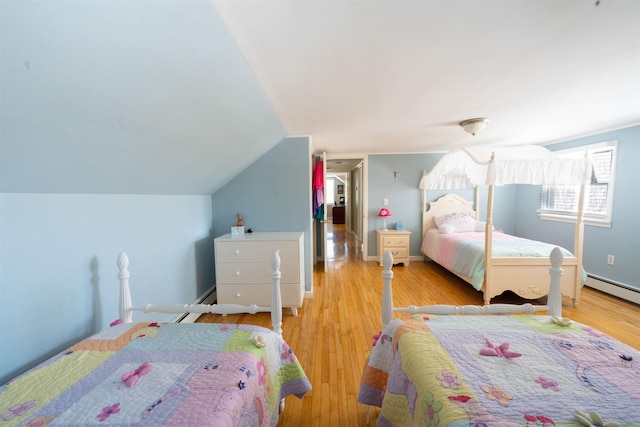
(398, 76)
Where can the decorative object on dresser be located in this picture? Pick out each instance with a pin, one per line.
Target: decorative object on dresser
(395, 241)
(242, 275)
(384, 214)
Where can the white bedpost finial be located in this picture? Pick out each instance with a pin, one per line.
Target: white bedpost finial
(554, 301)
(276, 299)
(387, 296)
(125, 294)
(490, 179)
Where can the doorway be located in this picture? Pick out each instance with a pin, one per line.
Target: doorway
(346, 179)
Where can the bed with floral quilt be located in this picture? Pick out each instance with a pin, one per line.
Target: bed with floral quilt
(163, 374)
(498, 370)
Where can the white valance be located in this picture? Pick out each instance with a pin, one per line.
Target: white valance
(529, 164)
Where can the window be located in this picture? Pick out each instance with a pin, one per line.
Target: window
(560, 202)
(330, 191)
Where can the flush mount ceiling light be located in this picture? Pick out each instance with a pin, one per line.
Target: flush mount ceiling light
(473, 126)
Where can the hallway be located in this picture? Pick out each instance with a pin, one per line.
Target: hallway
(342, 245)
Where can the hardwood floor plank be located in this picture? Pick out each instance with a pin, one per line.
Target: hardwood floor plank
(333, 333)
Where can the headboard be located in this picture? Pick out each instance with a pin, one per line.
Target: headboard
(444, 205)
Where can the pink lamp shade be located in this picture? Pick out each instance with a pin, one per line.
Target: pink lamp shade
(384, 213)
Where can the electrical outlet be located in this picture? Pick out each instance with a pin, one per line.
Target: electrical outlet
(385, 202)
(610, 259)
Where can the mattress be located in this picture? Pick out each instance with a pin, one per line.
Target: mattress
(463, 253)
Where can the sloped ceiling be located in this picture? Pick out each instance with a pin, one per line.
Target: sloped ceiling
(177, 97)
(128, 97)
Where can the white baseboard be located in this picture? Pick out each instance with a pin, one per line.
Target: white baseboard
(411, 258)
(616, 289)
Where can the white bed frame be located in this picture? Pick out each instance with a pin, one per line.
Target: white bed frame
(553, 306)
(526, 276)
(126, 309)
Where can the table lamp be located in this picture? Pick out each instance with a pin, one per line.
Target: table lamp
(384, 213)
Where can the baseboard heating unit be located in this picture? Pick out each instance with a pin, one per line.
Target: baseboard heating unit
(613, 288)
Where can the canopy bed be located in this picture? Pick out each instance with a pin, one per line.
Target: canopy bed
(454, 366)
(154, 373)
(491, 261)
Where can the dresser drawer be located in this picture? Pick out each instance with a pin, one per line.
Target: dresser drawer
(255, 272)
(389, 241)
(249, 251)
(258, 294)
(398, 253)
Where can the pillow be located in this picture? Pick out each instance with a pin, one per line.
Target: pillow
(447, 228)
(462, 221)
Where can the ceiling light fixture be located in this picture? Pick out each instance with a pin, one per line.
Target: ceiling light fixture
(473, 126)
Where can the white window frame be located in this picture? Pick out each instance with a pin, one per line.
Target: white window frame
(601, 220)
(330, 191)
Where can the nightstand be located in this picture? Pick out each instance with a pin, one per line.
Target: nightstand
(396, 241)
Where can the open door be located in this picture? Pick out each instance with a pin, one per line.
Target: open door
(319, 206)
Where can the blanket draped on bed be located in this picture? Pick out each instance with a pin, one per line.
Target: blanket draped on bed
(499, 371)
(159, 374)
(464, 252)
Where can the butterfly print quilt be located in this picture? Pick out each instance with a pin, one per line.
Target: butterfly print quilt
(521, 370)
(162, 375)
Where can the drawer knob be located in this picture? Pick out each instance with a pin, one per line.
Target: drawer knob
(237, 252)
(238, 295)
(237, 273)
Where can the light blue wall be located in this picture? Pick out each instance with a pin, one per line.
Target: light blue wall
(58, 272)
(515, 207)
(623, 238)
(273, 194)
(126, 97)
(405, 199)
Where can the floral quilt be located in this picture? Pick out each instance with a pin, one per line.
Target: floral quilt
(159, 374)
(518, 370)
(464, 252)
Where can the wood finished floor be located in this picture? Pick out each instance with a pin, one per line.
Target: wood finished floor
(333, 332)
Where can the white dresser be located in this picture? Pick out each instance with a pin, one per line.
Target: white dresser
(243, 268)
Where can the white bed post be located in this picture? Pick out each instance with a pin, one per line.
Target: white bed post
(424, 198)
(387, 295)
(476, 205)
(125, 295)
(276, 299)
(578, 234)
(488, 233)
(554, 301)
(578, 237)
